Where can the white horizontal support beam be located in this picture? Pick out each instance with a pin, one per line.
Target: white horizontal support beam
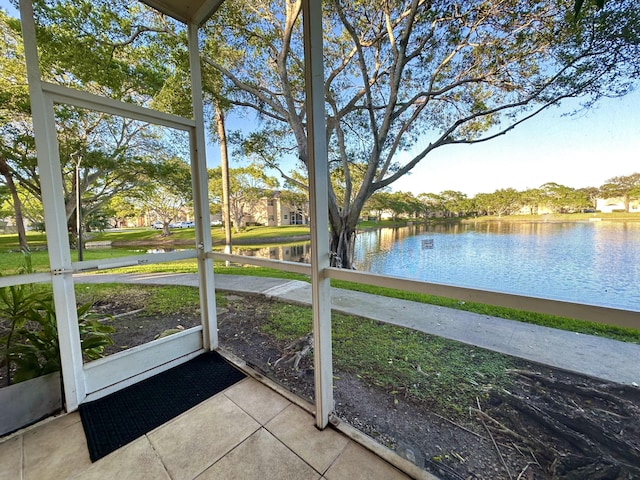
(141, 362)
(132, 260)
(294, 267)
(168, 8)
(590, 313)
(78, 98)
(25, 279)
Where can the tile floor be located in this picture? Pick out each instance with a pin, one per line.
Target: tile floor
(246, 432)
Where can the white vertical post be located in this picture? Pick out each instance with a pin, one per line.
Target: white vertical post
(201, 200)
(55, 217)
(319, 203)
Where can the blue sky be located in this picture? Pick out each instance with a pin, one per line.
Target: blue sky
(582, 150)
(577, 151)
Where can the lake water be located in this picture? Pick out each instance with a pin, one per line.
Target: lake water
(595, 263)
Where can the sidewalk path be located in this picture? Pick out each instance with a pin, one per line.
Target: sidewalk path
(586, 354)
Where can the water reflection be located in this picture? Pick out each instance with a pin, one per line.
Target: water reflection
(165, 250)
(293, 253)
(584, 262)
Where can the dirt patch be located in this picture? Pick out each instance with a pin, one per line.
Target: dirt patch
(133, 330)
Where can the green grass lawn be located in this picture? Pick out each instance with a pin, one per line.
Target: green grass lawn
(258, 234)
(11, 262)
(589, 328)
(137, 239)
(399, 360)
(9, 242)
(151, 299)
(569, 324)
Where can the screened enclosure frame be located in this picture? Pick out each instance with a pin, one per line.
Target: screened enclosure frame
(83, 382)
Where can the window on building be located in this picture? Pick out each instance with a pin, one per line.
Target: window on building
(297, 218)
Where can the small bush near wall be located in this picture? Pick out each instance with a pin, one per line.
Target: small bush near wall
(29, 345)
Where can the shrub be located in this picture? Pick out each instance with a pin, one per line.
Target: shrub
(30, 346)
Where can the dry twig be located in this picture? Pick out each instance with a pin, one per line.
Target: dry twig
(494, 441)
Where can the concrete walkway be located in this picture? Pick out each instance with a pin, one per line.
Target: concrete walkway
(589, 355)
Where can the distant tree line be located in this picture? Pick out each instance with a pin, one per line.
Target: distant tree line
(548, 198)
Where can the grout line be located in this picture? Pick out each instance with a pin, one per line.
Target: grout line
(293, 451)
(157, 454)
(247, 412)
(352, 433)
(251, 372)
(22, 458)
(346, 445)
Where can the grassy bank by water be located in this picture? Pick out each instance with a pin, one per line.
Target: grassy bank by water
(562, 217)
(579, 326)
(247, 235)
(555, 217)
(136, 241)
(11, 262)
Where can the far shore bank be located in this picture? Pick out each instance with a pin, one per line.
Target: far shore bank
(373, 225)
(558, 217)
(174, 242)
(148, 238)
(565, 217)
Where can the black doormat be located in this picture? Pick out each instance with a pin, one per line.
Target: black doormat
(117, 419)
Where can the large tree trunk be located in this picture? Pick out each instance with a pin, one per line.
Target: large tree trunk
(343, 237)
(17, 205)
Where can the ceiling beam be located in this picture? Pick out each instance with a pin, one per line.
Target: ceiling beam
(186, 11)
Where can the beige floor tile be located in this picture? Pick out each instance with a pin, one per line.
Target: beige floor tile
(257, 400)
(356, 462)
(11, 459)
(296, 429)
(136, 460)
(191, 443)
(56, 450)
(260, 457)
